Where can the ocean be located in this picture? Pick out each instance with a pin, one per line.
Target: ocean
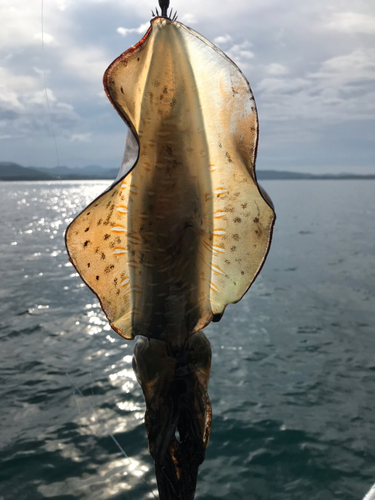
(293, 373)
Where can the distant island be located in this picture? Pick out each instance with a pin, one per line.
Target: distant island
(10, 171)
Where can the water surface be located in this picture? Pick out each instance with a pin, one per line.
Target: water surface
(293, 373)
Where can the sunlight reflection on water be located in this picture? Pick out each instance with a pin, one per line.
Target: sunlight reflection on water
(292, 373)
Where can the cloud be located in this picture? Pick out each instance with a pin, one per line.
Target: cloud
(341, 90)
(23, 106)
(81, 137)
(188, 18)
(341, 70)
(311, 65)
(9, 101)
(10, 86)
(352, 22)
(281, 85)
(276, 69)
(87, 63)
(45, 37)
(222, 40)
(40, 97)
(63, 4)
(17, 27)
(126, 31)
(240, 54)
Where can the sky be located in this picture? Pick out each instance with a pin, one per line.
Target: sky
(310, 64)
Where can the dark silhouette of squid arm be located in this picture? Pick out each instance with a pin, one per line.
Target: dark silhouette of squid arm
(164, 4)
(178, 414)
(184, 233)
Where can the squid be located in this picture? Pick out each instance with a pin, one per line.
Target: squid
(179, 236)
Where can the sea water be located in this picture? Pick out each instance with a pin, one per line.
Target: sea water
(293, 373)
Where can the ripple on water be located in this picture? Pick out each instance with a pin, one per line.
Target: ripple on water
(292, 378)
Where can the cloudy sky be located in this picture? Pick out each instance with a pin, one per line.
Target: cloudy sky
(311, 65)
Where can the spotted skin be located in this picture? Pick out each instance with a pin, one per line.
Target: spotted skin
(188, 229)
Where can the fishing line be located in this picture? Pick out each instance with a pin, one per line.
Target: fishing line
(45, 86)
(76, 401)
(98, 419)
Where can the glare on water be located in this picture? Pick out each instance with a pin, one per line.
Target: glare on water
(293, 370)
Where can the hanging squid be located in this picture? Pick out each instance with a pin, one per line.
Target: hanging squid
(184, 233)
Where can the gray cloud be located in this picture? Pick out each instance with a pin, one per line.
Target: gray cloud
(311, 67)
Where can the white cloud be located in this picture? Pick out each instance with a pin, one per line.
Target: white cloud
(23, 106)
(353, 22)
(19, 22)
(241, 55)
(65, 106)
(63, 4)
(313, 65)
(88, 63)
(9, 101)
(223, 40)
(188, 19)
(126, 31)
(45, 37)
(341, 70)
(276, 69)
(11, 87)
(40, 72)
(341, 90)
(81, 137)
(39, 97)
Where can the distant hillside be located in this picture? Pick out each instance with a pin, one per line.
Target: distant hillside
(55, 171)
(13, 172)
(10, 171)
(285, 175)
(88, 172)
(281, 175)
